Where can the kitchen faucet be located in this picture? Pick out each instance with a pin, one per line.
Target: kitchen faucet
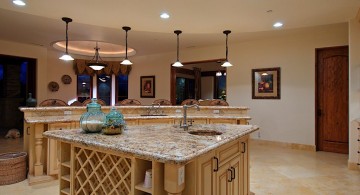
(185, 125)
(156, 110)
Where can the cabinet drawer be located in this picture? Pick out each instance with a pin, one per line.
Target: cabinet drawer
(222, 121)
(156, 121)
(131, 122)
(228, 151)
(59, 126)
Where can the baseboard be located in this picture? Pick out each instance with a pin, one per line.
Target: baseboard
(353, 166)
(294, 146)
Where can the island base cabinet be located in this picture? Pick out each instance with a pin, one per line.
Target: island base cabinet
(224, 171)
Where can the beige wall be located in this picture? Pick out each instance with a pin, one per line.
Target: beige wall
(354, 87)
(290, 119)
(55, 70)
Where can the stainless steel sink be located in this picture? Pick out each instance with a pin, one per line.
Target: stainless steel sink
(205, 132)
(153, 115)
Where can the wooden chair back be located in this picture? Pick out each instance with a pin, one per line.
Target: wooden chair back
(128, 102)
(189, 102)
(52, 102)
(218, 102)
(162, 102)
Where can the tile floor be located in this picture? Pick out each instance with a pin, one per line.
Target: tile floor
(274, 171)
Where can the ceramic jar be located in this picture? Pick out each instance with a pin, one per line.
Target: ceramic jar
(114, 122)
(93, 120)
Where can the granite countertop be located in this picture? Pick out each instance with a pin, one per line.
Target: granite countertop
(162, 143)
(74, 118)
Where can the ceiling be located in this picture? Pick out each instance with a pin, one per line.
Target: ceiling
(202, 21)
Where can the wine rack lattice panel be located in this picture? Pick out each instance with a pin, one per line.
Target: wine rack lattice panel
(101, 173)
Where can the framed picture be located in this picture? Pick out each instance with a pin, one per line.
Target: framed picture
(266, 83)
(147, 86)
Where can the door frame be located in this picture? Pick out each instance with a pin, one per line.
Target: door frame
(317, 50)
(173, 71)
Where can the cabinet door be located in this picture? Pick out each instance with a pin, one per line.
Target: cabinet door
(236, 185)
(53, 161)
(244, 159)
(222, 121)
(205, 176)
(131, 122)
(199, 121)
(222, 180)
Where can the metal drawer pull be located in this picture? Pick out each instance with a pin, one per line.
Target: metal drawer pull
(217, 164)
(230, 180)
(233, 177)
(244, 147)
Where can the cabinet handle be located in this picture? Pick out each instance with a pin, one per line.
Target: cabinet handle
(232, 177)
(27, 130)
(244, 147)
(230, 180)
(217, 164)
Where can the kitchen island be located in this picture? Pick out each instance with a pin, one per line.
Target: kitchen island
(43, 161)
(182, 162)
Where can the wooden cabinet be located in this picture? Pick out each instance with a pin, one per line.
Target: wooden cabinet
(54, 147)
(131, 122)
(224, 171)
(155, 121)
(222, 121)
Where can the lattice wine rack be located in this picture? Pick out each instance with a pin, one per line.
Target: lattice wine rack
(94, 172)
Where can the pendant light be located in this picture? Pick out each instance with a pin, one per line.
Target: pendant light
(66, 56)
(126, 61)
(95, 63)
(226, 63)
(218, 73)
(177, 63)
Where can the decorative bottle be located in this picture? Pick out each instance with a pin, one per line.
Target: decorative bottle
(93, 120)
(31, 102)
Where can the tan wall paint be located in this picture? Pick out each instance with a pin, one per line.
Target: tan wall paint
(56, 69)
(30, 51)
(354, 87)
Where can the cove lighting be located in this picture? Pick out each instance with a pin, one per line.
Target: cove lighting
(164, 15)
(278, 25)
(19, 2)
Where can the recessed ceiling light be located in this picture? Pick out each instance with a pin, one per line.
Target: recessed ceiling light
(278, 25)
(19, 2)
(164, 15)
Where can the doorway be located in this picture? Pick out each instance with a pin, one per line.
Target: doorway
(332, 75)
(198, 80)
(17, 80)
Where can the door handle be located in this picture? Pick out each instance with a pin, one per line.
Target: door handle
(233, 177)
(217, 164)
(230, 170)
(244, 147)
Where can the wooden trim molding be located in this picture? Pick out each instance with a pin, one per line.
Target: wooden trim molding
(353, 166)
(285, 145)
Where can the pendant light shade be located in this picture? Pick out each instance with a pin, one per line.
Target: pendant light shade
(97, 63)
(66, 56)
(177, 63)
(126, 61)
(226, 63)
(218, 73)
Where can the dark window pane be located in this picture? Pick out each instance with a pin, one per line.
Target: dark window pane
(122, 87)
(83, 87)
(104, 88)
(185, 89)
(222, 87)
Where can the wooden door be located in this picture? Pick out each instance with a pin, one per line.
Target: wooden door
(236, 187)
(332, 128)
(223, 177)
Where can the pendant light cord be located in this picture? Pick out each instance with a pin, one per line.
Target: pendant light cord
(227, 47)
(126, 37)
(67, 39)
(177, 48)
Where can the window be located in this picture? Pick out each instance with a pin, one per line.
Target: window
(84, 86)
(122, 87)
(104, 88)
(185, 89)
